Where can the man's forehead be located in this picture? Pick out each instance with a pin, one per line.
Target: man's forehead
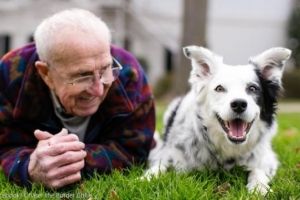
(69, 45)
(83, 65)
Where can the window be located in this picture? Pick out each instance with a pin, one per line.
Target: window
(4, 44)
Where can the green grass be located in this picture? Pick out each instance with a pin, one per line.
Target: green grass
(193, 185)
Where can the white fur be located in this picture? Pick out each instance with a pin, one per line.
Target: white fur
(196, 139)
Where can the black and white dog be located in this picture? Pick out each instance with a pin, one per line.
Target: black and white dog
(227, 118)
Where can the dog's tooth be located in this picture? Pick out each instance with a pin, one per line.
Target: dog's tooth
(245, 126)
(227, 124)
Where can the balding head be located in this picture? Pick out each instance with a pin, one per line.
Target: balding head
(52, 35)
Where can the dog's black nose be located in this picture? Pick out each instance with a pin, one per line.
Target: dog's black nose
(238, 105)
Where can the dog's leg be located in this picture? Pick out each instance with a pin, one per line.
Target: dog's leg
(172, 158)
(258, 181)
(262, 166)
(154, 172)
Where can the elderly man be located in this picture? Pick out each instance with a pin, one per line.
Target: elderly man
(72, 103)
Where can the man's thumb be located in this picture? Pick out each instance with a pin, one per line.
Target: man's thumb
(42, 135)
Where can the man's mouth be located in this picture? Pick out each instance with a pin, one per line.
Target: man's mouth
(236, 129)
(87, 98)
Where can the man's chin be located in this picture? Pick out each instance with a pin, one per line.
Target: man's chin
(85, 112)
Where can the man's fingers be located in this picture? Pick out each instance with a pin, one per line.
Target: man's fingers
(66, 170)
(60, 148)
(42, 135)
(63, 132)
(57, 160)
(66, 174)
(70, 157)
(61, 138)
(56, 184)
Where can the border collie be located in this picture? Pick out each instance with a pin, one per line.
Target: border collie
(228, 117)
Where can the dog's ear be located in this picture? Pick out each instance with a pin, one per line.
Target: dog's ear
(203, 60)
(271, 63)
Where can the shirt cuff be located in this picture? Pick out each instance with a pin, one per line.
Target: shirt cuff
(23, 172)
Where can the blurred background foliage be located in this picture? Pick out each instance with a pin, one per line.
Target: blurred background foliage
(293, 34)
(291, 78)
(291, 84)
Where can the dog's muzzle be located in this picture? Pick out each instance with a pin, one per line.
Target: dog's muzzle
(235, 129)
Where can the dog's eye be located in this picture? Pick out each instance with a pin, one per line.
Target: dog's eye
(219, 88)
(253, 88)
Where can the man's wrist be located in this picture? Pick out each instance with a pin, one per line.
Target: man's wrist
(24, 173)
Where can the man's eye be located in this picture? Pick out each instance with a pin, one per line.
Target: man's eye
(219, 88)
(104, 68)
(85, 74)
(107, 67)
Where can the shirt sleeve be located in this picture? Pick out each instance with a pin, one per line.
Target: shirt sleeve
(16, 144)
(15, 149)
(14, 164)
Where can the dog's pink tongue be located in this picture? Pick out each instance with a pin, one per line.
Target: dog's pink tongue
(236, 127)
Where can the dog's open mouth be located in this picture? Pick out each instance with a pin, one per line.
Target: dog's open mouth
(236, 129)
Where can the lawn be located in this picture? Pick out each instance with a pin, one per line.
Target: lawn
(193, 185)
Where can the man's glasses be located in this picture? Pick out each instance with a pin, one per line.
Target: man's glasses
(106, 76)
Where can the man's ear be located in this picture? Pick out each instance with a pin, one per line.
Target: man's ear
(44, 72)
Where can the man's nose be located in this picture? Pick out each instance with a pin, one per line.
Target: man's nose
(97, 87)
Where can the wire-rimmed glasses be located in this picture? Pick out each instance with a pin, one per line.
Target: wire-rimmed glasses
(106, 76)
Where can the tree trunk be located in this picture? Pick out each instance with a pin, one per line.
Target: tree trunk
(193, 33)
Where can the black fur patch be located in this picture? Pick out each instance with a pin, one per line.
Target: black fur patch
(251, 157)
(230, 161)
(204, 128)
(199, 117)
(170, 121)
(187, 53)
(180, 147)
(195, 142)
(205, 134)
(170, 161)
(267, 99)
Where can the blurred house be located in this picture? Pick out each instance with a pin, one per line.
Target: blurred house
(18, 19)
(151, 29)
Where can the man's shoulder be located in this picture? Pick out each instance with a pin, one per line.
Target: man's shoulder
(15, 63)
(122, 55)
(24, 53)
(118, 50)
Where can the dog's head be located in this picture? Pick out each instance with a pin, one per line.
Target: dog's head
(236, 98)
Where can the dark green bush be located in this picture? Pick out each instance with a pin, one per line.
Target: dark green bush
(143, 62)
(293, 33)
(291, 84)
(163, 86)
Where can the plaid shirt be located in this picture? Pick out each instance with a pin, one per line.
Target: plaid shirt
(119, 134)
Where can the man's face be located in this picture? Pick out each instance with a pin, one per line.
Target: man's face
(78, 58)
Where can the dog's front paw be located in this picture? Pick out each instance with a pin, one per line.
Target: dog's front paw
(153, 172)
(149, 175)
(257, 187)
(258, 182)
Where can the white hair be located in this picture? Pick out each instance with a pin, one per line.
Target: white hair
(75, 19)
